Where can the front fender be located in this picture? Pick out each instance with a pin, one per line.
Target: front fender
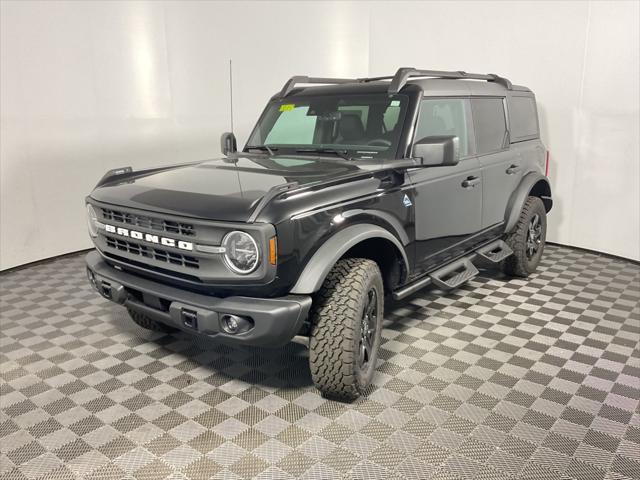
(318, 267)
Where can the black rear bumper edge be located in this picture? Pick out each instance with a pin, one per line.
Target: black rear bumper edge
(275, 320)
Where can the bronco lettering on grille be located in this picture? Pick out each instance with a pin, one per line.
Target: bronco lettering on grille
(149, 237)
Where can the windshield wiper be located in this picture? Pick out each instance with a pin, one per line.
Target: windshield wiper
(262, 148)
(338, 153)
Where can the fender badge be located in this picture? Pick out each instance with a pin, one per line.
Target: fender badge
(406, 201)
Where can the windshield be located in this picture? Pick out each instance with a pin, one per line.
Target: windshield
(352, 126)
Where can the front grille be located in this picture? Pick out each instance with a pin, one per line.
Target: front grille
(152, 252)
(151, 223)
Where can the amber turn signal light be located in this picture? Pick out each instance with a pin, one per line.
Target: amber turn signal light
(273, 251)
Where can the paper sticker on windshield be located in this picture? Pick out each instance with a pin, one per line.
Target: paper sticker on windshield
(287, 107)
(395, 103)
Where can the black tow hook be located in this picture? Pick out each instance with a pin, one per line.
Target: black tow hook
(189, 318)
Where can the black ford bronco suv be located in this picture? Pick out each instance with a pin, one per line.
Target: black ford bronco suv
(348, 190)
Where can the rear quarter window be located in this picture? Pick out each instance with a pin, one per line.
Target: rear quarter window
(523, 118)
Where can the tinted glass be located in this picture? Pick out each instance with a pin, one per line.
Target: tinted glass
(523, 116)
(444, 116)
(295, 127)
(360, 111)
(489, 124)
(391, 117)
(363, 126)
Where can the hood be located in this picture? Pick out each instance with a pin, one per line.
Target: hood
(221, 189)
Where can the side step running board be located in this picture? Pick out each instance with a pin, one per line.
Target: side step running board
(411, 288)
(455, 274)
(447, 278)
(458, 272)
(494, 252)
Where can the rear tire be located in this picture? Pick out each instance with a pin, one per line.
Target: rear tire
(527, 239)
(145, 322)
(346, 322)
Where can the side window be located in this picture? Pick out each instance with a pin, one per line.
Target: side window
(445, 116)
(293, 127)
(489, 124)
(523, 118)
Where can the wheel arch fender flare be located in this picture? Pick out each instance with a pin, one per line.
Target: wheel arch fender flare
(323, 260)
(532, 183)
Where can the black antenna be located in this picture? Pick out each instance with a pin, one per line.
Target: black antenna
(231, 114)
(231, 92)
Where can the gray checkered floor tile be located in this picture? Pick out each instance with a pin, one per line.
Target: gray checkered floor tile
(503, 378)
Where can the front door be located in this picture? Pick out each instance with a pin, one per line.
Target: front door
(448, 199)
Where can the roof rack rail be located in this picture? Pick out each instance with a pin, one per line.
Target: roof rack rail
(398, 80)
(401, 77)
(293, 81)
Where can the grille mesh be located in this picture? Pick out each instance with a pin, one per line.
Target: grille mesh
(151, 252)
(152, 223)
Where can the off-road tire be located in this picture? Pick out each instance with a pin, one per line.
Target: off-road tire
(519, 264)
(336, 326)
(145, 322)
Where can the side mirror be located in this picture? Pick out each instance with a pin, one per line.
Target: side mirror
(437, 151)
(228, 143)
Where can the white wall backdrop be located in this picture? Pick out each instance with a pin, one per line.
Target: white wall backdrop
(582, 61)
(85, 87)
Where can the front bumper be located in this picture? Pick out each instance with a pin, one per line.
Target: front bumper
(274, 321)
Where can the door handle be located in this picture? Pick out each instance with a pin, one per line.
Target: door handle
(513, 169)
(470, 182)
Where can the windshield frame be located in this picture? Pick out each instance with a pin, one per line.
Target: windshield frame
(397, 150)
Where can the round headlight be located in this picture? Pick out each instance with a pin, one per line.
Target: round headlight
(92, 221)
(241, 252)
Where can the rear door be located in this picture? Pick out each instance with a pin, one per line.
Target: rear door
(501, 167)
(448, 199)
